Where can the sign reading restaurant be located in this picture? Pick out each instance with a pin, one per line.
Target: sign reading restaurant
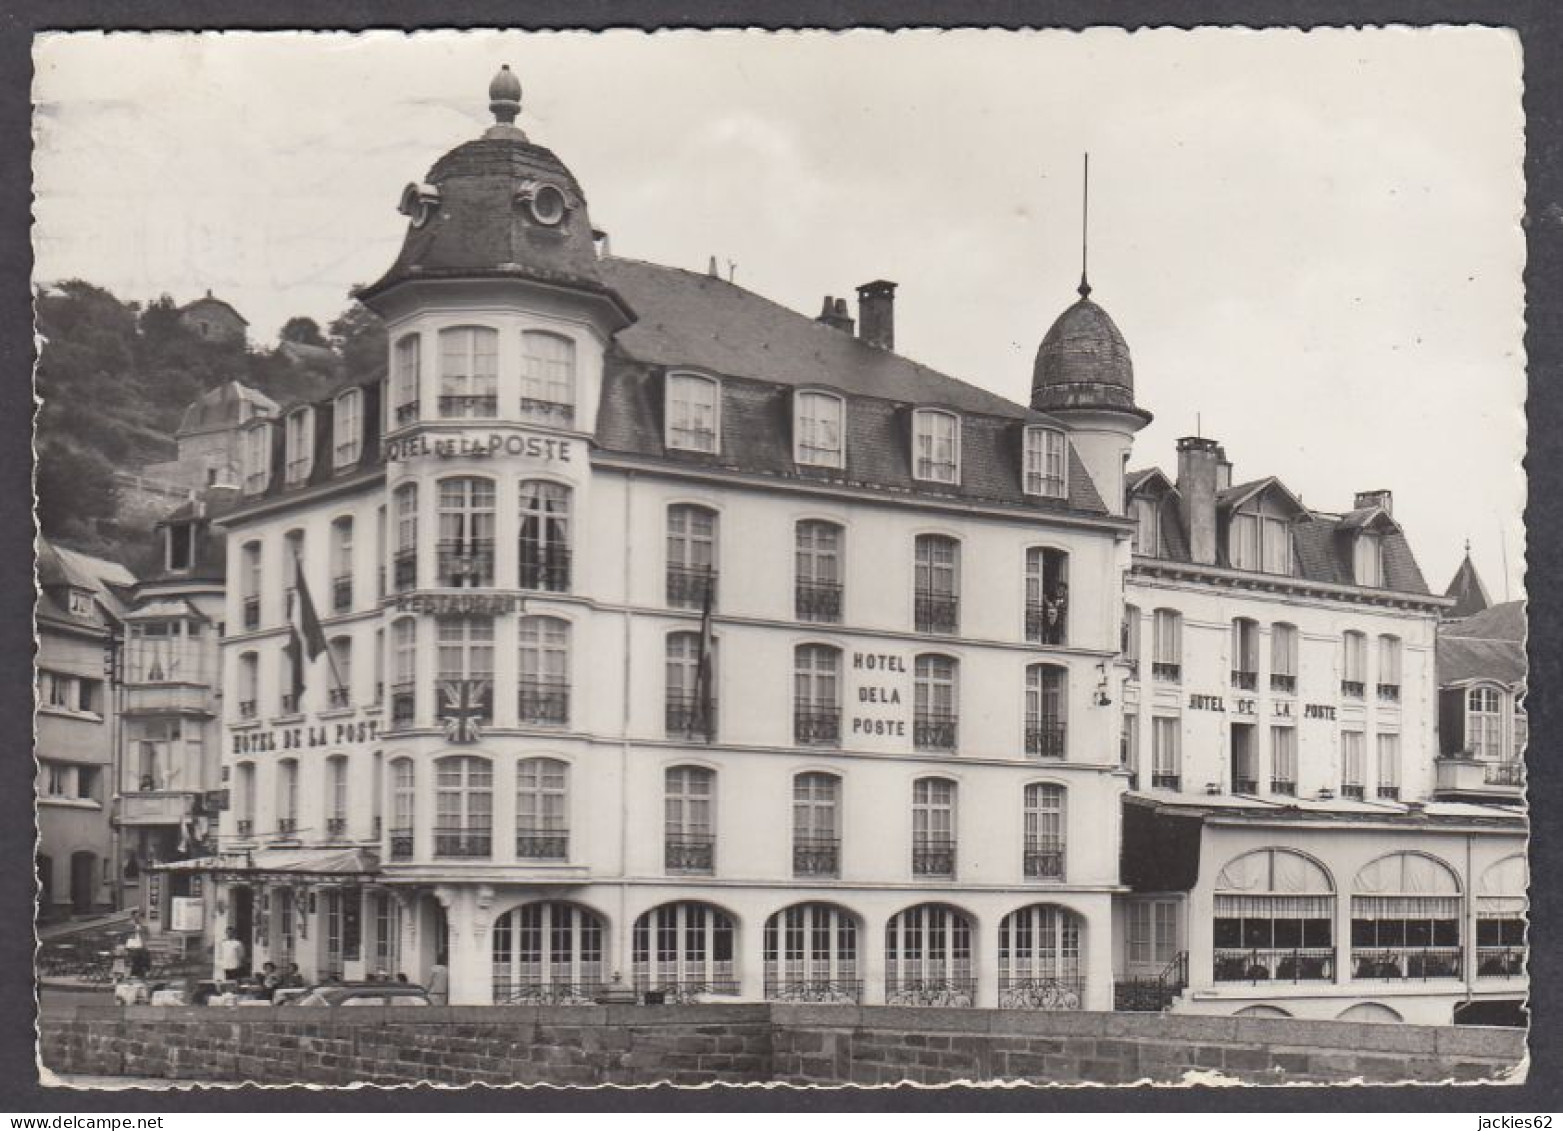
(478, 445)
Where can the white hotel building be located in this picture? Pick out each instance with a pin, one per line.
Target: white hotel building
(907, 788)
(907, 783)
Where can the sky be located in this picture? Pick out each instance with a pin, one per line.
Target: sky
(1310, 240)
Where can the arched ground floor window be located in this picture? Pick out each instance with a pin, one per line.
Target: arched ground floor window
(811, 955)
(1040, 966)
(548, 953)
(928, 957)
(1274, 919)
(682, 952)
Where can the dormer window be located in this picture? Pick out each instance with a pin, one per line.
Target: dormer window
(1368, 560)
(936, 446)
(1260, 542)
(300, 455)
(817, 430)
(179, 543)
(257, 459)
(693, 418)
(349, 428)
(1147, 527)
(82, 604)
(1046, 463)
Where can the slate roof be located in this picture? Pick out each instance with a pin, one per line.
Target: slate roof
(208, 300)
(1489, 645)
(1466, 588)
(61, 569)
(763, 352)
(225, 407)
(1083, 362)
(1503, 621)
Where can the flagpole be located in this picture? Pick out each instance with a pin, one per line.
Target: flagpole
(336, 673)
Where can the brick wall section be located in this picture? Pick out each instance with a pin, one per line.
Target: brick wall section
(750, 1044)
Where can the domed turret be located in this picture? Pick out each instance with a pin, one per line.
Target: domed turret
(1083, 362)
(497, 207)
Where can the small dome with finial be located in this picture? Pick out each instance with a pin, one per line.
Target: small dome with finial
(1083, 362)
(504, 96)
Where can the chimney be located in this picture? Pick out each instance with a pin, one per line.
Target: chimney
(711, 269)
(876, 314)
(1198, 474)
(1381, 499)
(834, 314)
(1223, 469)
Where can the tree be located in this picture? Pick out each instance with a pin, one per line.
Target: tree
(358, 336)
(305, 331)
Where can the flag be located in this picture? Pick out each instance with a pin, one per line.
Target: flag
(306, 639)
(701, 717)
(464, 707)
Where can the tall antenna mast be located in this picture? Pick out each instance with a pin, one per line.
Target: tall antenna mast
(1504, 545)
(1085, 223)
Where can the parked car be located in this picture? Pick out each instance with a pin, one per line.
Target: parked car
(361, 993)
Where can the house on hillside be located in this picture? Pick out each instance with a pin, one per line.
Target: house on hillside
(213, 319)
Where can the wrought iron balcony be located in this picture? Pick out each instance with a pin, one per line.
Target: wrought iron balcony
(687, 587)
(816, 724)
(938, 612)
(1166, 781)
(818, 601)
(1405, 963)
(1044, 860)
(401, 844)
(1274, 964)
(405, 569)
(1389, 693)
(1056, 994)
(340, 696)
(816, 856)
(1353, 790)
(469, 405)
(1389, 792)
(1040, 629)
(287, 826)
(651, 990)
(1046, 738)
(1500, 962)
(251, 612)
(342, 593)
(1245, 785)
(1285, 788)
(934, 731)
(547, 993)
(543, 702)
(290, 704)
(690, 853)
(375, 825)
(1353, 688)
(933, 856)
(247, 708)
(816, 991)
(406, 413)
(336, 826)
(545, 569)
(951, 993)
(1504, 773)
(403, 703)
(547, 412)
(454, 841)
(1244, 680)
(245, 826)
(1285, 684)
(468, 564)
(1167, 673)
(542, 844)
(936, 470)
(685, 716)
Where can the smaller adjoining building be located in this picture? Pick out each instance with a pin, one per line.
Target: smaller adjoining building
(80, 606)
(209, 454)
(214, 319)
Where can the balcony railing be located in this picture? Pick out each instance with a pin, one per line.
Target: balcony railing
(1405, 963)
(545, 569)
(1166, 781)
(405, 569)
(1274, 964)
(469, 405)
(1353, 790)
(814, 725)
(938, 613)
(687, 587)
(247, 708)
(547, 993)
(287, 826)
(933, 857)
(1245, 785)
(342, 593)
(1285, 788)
(1059, 994)
(1245, 680)
(403, 703)
(1353, 688)
(245, 826)
(818, 601)
(1285, 684)
(1389, 693)
(340, 697)
(1041, 630)
(690, 853)
(1500, 962)
(543, 702)
(682, 991)
(1504, 773)
(251, 612)
(816, 856)
(1044, 861)
(685, 716)
(1167, 673)
(290, 704)
(336, 827)
(466, 564)
(951, 993)
(932, 731)
(406, 413)
(401, 844)
(548, 412)
(1389, 792)
(1046, 739)
(376, 823)
(815, 991)
(542, 844)
(461, 842)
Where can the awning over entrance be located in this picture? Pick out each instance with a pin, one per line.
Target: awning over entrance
(320, 865)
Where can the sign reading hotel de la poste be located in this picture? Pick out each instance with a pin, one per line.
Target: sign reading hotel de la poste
(511, 443)
(878, 701)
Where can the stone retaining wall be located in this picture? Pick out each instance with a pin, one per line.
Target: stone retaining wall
(751, 1044)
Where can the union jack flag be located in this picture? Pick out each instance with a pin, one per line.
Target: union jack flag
(463, 707)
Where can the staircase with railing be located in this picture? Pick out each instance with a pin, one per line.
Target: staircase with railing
(1154, 994)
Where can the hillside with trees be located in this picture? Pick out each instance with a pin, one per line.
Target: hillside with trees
(114, 377)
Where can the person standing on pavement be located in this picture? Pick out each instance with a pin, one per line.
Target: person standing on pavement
(136, 951)
(230, 956)
(439, 984)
